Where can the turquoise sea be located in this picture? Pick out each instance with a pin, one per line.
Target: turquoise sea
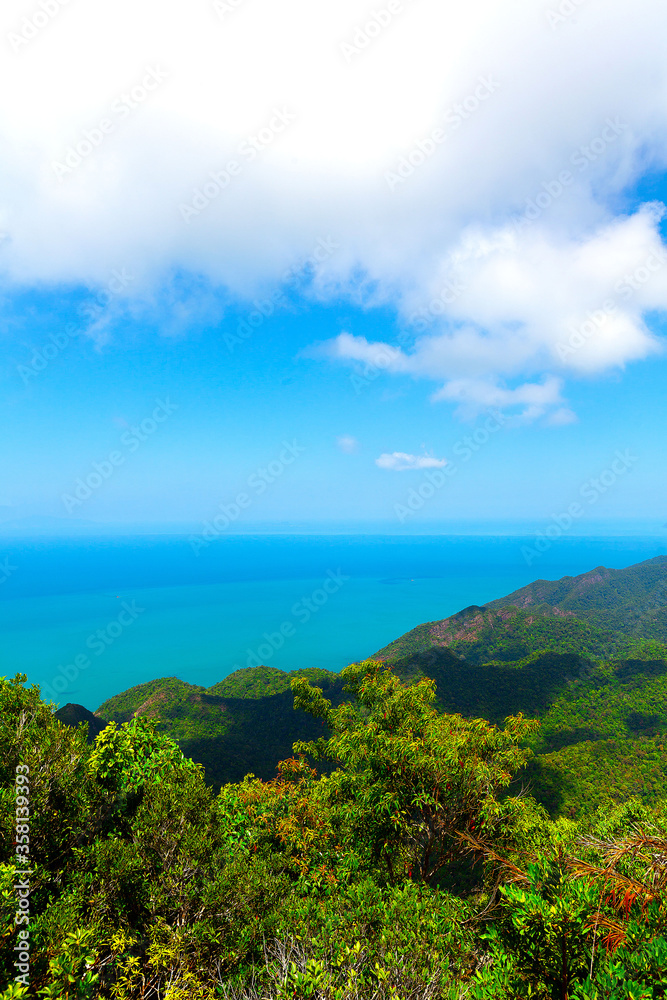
(87, 618)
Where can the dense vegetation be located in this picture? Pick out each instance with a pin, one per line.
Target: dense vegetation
(415, 868)
(479, 813)
(632, 601)
(233, 735)
(614, 712)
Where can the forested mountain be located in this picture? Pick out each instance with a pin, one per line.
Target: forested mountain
(603, 611)
(600, 692)
(230, 735)
(416, 867)
(477, 812)
(636, 595)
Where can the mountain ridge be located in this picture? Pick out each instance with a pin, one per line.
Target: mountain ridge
(640, 615)
(545, 650)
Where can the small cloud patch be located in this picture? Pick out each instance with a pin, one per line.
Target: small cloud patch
(400, 461)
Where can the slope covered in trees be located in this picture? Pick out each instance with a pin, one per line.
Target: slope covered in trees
(229, 736)
(599, 693)
(479, 813)
(602, 612)
(415, 868)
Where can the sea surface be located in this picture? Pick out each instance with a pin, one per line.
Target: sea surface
(88, 618)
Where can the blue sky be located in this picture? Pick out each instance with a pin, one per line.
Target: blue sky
(236, 254)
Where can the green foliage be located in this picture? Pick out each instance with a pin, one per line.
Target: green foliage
(261, 682)
(124, 759)
(630, 601)
(480, 635)
(70, 972)
(229, 736)
(408, 779)
(637, 972)
(551, 650)
(15, 991)
(288, 860)
(540, 943)
(411, 865)
(369, 941)
(585, 776)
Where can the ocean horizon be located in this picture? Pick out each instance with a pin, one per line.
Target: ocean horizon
(87, 618)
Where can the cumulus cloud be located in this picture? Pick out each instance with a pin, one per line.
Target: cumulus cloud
(519, 303)
(475, 191)
(400, 461)
(475, 395)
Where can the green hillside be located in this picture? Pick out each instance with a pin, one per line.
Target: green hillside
(605, 612)
(612, 711)
(494, 690)
(475, 807)
(632, 600)
(230, 736)
(600, 693)
(258, 682)
(74, 715)
(479, 634)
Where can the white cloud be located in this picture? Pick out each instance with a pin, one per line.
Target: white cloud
(504, 257)
(399, 461)
(347, 443)
(520, 304)
(376, 355)
(475, 395)
(561, 417)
